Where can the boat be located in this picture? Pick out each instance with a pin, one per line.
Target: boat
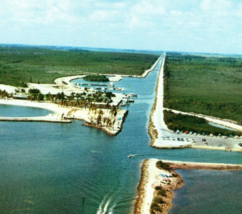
(132, 95)
(130, 100)
(130, 156)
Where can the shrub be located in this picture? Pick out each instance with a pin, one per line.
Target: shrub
(158, 187)
(161, 192)
(34, 91)
(162, 165)
(194, 124)
(158, 200)
(96, 78)
(155, 207)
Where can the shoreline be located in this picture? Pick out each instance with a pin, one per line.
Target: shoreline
(151, 178)
(65, 114)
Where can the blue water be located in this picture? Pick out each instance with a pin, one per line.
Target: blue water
(209, 192)
(20, 111)
(69, 168)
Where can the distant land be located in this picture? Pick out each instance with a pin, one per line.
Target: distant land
(20, 64)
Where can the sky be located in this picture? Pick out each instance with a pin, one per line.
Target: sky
(207, 26)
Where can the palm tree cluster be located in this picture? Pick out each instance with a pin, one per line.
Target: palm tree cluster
(35, 94)
(4, 94)
(98, 116)
(82, 100)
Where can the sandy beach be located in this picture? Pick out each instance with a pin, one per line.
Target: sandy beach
(8, 88)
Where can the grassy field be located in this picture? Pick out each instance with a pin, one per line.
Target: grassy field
(20, 64)
(211, 85)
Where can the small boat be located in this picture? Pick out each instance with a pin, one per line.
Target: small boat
(132, 95)
(130, 156)
(130, 100)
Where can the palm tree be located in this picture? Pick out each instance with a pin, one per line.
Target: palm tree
(99, 117)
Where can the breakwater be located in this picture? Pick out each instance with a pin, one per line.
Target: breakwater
(34, 119)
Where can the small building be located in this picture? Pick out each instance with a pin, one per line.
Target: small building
(20, 96)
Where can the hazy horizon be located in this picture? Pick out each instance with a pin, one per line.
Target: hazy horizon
(119, 49)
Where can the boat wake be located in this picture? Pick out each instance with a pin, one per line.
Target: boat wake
(132, 155)
(104, 207)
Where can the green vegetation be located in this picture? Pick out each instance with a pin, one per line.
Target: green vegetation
(210, 85)
(35, 95)
(155, 205)
(96, 78)
(93, 101)
(194, 124)
(161, 165)
(161, 191)
(22, 64)
(4, 94)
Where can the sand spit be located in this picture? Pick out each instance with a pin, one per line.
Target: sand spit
(204, 166)
(152, 177)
